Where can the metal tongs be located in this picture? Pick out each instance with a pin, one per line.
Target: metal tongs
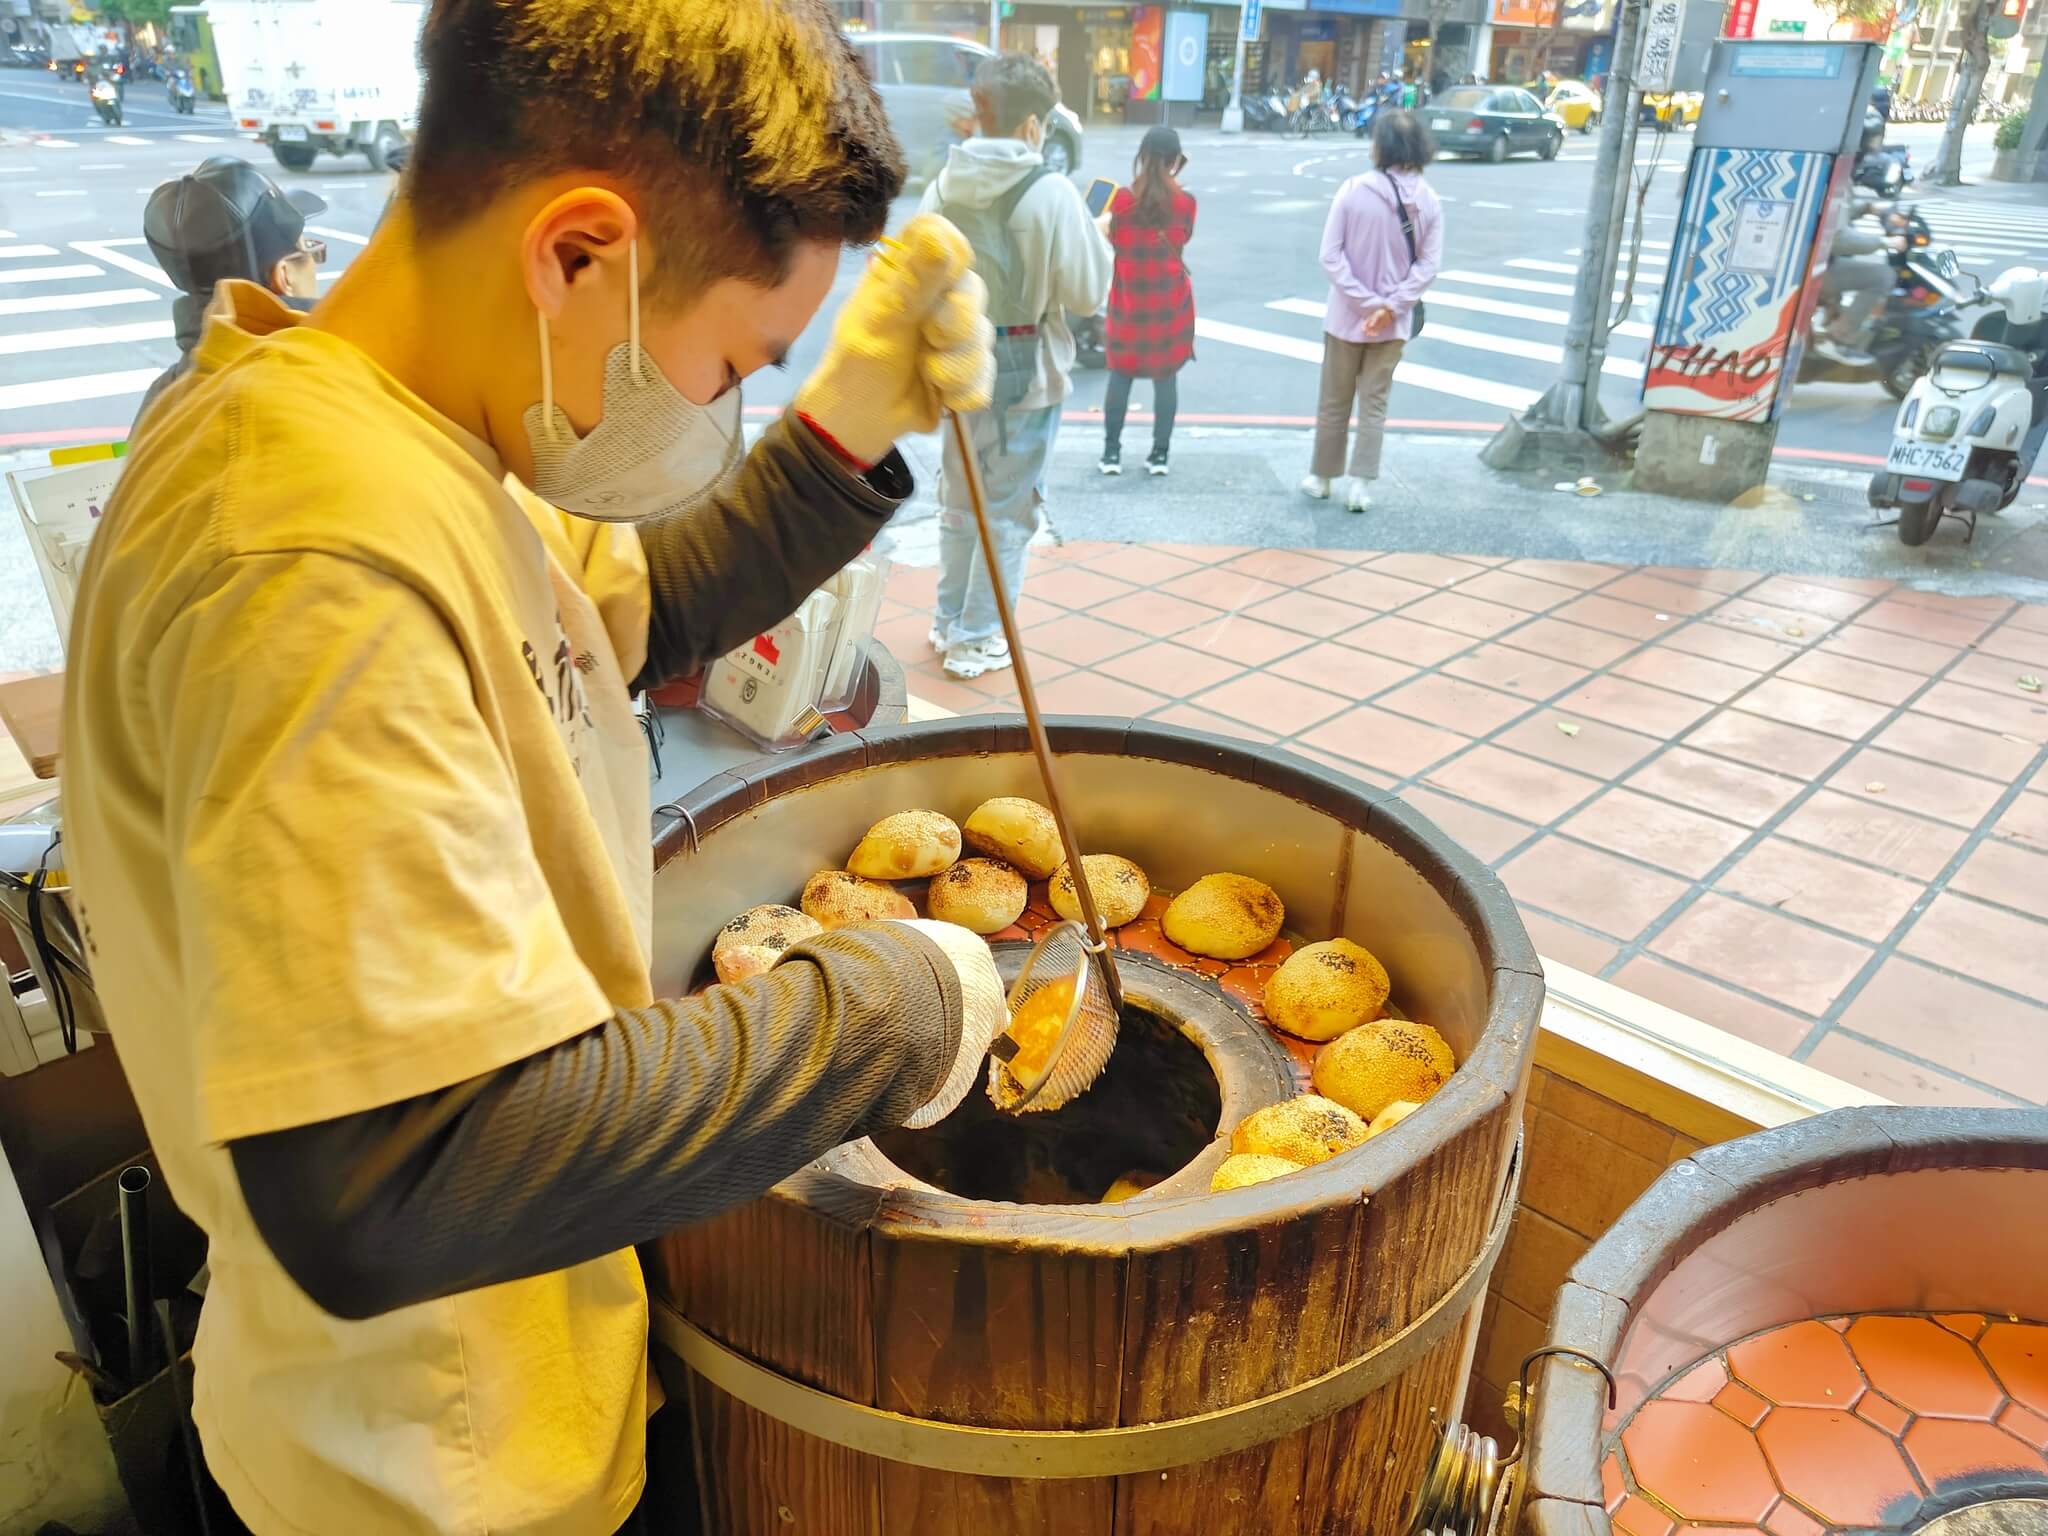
(1067, 954)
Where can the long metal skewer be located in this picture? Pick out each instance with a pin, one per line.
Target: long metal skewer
(1027, 695)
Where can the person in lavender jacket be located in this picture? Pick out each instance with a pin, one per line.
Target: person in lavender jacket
(1374, 286)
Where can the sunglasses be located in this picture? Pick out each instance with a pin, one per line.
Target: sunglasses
(317, 249)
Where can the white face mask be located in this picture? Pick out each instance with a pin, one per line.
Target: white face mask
(651, 453)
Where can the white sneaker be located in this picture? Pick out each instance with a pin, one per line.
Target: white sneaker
(971, 658)
(1315, 487)
(936, 639)
(1356, 497)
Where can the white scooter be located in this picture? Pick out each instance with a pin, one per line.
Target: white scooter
(1967, 434)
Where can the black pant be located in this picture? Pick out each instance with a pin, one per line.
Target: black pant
(1165, 400)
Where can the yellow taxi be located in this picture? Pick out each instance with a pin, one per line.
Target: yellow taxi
(1673, 109)
(1575, 104)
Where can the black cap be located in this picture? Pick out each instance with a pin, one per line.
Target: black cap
(225, 220)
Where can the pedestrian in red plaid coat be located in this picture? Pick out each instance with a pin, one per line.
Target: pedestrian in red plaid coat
(1151, 329)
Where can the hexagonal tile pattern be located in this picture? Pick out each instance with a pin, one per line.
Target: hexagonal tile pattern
(1947, 1452)
(1639, 1517)
(1741, 1405)
(1802, 1365)
(1698, 1463)
(1846, 1471)
(2018, 1353)
(1924, 1367)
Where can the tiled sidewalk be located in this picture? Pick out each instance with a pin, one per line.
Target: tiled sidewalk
(1812, 812)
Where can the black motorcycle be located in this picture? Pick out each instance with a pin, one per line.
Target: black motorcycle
(1886, 169)
(1922, 310)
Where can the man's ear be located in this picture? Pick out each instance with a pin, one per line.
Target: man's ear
(570, 239)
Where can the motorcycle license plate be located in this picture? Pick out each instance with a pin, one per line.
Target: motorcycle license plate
(290, 133)
(1933, 461)
(1439, 125)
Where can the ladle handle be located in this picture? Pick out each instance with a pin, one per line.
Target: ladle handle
(1041, 745)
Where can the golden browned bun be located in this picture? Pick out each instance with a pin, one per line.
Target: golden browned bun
(755, 940)
(1380, 1064)
(906, 846)
(1135, 1183)
(1306, 1129)
(1241, 1169)
(1119, 886)
(1226, 917)
(982, 895)
(1392, 1116)
(1020, 832)
(1323, 989)
(836, 898)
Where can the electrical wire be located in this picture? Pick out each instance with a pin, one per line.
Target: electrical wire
(54, 963)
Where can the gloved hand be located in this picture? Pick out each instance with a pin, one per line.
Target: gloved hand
(985, 1013)
(913, 338)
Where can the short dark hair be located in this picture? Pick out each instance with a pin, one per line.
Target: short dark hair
(747, 125)
(1010, 88)
(1400, 142)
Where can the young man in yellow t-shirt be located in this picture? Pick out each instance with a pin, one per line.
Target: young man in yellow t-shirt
(355, 801)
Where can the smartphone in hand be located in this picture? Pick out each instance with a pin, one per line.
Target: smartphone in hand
(1100, 191)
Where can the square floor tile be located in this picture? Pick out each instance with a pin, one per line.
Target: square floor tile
(1767, 744)
(2009, 642)
(1369, 588)
(1576, 643)
(1178, 671)
(1999, 674)
(1430, 570)
(957, 697)
(1344, 765)
(1992, 608)
(1141, 565)
(1518, 591)
(1816, 709)
(1189, 718)
(1522, 673)
(1308, 613)
(1467, 615)
(1631, 620)
(2009, 875)
(1354, 674)
(1487, 835)
(1656, 832)
(1091, 693)
(2022, 715)
(1809, 597)
(1712, 578)
(1454, 704)
(1205, 554)
(1841, 1054)
(1158, 614)
(1712, 1003)
(1585, 746)
(1237, 638)
(2032, 616)
(1918, 623)
(1391, 743)
(914, 585)
(1405, 640)
(1272, 703)
(1288, 567)
(1569, 944)
(1770, 954)
(1954, 745)
(1859, 679)
(1080, 640)
(1698, 677)
(1634, 706)
(1222, 587)
(1908, 784)
(1883, 648)
(905, 637)
(1746, 616)
(1587, 886)
(1074, 551)
(1073, 586)
(1983, 1034)
(1805, 882)
(1654, 592)
(1514, 785)
(1582, 574)
(1716, 786)
(1718, 642)
(2025, 821)
(1985, 942)
(1911, 846)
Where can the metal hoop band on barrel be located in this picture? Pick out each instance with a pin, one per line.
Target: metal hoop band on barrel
(1068, 1453)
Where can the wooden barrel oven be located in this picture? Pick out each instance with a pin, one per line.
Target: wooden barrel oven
(872, 1353)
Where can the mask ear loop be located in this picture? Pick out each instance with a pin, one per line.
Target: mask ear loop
(633, 307)
(547, 379)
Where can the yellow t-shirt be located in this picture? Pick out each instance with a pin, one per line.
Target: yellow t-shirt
(357, 809)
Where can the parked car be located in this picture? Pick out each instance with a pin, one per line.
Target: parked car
(1668, 111)
(1492, 122)
(1575, 104)
(922, 77)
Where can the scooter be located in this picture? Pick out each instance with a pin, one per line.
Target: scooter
(1886, 169)
(1920, 314)
(183, 97)
(106, 100)
(1967, 436)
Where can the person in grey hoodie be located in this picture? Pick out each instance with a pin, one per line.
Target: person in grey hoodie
(1040, 255)
(227, 220)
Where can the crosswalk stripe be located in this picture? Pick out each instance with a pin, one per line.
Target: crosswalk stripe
(1524, 284)
(337, 234)
(1420, 375)
(1488, 341)
(199, 138)
(18, 251)
(55, 144)
(127, 138)
(53, 303)
(90, 386)
(105, 251)
(85, 336)
(48, 274)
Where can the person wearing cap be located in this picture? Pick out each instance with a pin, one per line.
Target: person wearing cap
(227, 220)
(356, 804)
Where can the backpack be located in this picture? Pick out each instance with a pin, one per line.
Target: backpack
(1000, 264)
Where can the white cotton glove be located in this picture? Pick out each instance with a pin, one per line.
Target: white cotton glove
(984, 1013)
(913, 338)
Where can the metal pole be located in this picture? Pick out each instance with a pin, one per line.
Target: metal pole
(1591, 416)
(1233, 115)
(136, 1271)
(995, 25)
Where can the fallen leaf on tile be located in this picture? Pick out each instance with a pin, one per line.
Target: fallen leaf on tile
(1875, 786)
(2030, 683)
(1795, 631)
(1567, 727)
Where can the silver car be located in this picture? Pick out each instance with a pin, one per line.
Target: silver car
(923, 79)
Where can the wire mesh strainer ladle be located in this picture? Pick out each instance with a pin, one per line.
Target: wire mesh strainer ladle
(1050, 1053)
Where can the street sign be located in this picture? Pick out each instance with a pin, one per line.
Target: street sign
(1248, 21)
(1657, 65)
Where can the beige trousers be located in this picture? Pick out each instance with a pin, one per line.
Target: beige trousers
(1364, 369)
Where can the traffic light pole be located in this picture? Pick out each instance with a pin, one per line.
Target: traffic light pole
(1247, 26)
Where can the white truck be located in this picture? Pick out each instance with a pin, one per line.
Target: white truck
(309, 77)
